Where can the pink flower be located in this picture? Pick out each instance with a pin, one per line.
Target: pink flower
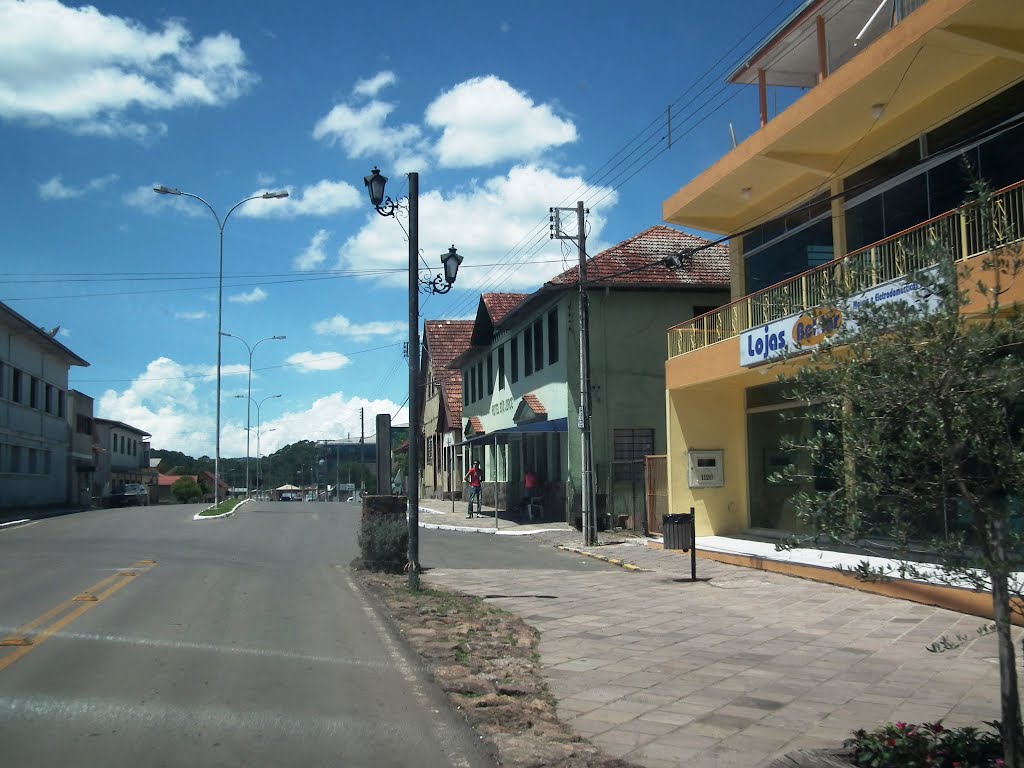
(901, 726)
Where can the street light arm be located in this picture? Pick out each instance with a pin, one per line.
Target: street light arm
(264, 196)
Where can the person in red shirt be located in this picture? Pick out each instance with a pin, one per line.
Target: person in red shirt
(529, 492)
(475, 477)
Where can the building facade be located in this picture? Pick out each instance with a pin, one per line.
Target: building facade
(870, 162)
(123, 458)
(442, 473)
(521, 387)
(35, 442)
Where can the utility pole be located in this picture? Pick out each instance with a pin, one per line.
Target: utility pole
(583, 414)
(362, 438)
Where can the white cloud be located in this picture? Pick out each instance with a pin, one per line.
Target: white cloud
(327, 418)
(496, 220)
(361, 132)
(56, 189)
(83, 70)
(198, 315)
(254, 296)
(314, 255)
(486, 120)
(371, 86)
(324, 198)
(164, 402)
(208, 373)
(339, 325)
(317, 361)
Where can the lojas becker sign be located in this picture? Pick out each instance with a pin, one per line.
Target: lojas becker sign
(803, 332)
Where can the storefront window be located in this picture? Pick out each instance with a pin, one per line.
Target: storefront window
(792, 255)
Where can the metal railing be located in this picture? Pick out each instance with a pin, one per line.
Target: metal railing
(966, 231)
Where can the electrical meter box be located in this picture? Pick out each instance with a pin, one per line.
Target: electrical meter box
(706, 469)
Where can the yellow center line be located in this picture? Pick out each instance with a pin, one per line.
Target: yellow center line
(109, 586)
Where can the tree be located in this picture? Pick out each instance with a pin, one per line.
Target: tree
(913, 432)
(186, 490)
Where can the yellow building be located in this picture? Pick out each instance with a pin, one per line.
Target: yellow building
(863, 167)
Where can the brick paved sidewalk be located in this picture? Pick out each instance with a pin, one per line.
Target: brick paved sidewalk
(741, 666)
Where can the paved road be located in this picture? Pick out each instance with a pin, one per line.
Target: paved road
(238, 642)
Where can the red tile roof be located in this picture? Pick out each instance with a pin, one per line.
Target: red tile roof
(170, 479)
(639, 258)
(535, 405)
(500, 304)
(445, 340)
(476, 425)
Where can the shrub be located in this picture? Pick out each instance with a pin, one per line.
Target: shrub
(902, 745)
(384, 542)
(186, 491)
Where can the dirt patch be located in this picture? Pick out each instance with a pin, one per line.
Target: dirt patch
(486, 661)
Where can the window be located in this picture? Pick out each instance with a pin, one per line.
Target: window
(471, 386)
(465, 388)
(513, 359)
(538, 344)
(553, 336)
(33, 392)
(3, 380)
(83, 425)
(631, 446)
(490, 374)
(480, 380)
(15, 465)
(501, 367)
(33, 461)
(527, 352)
(16, 385)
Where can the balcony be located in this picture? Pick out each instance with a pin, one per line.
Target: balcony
(961, 229)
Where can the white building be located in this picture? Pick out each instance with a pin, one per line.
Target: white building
(34, 435)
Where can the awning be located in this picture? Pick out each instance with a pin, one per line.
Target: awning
(552, 425)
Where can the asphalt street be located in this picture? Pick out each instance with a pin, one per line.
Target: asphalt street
(139, 636)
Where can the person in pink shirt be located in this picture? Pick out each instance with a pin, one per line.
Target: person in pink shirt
(474, 477)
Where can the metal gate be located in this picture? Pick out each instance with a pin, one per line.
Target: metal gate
(625, 494)
(656, 480)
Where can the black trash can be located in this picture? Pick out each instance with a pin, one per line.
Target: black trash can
(677, 531)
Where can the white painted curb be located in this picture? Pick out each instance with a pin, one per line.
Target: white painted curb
(201, 516)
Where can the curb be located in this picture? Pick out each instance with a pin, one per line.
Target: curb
(200, 516)
(612, 560)
(471, 529)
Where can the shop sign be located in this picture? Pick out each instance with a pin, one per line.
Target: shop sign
(502, 406)
(805, 331)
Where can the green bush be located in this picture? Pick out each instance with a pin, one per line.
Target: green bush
(902, 745)
(186, 491)
(384, 542)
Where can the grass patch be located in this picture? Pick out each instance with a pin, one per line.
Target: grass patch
(225, 506)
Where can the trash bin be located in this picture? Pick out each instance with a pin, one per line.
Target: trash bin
(677, 531)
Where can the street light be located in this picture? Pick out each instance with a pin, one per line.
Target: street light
(385, 206)
(248, 429)
(259, 456)
(248, 421)
(221, 223)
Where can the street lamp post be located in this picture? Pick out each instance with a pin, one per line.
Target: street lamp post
(221, 223)
(385, 206)
(248, 420)
(248, 429)
(259, 457)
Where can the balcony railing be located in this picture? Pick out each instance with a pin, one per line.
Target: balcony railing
(962, 230)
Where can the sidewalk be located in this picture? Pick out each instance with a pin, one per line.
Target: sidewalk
(737, 668)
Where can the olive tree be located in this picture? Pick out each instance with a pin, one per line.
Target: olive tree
(912, 441)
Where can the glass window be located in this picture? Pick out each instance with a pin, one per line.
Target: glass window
(513, 359)
(790, 256)
(465, 388)
(33, 461)
(553, 336)
(527, 352)
(538, 344)
(1002, 162)
(33, 392)
(490, 374)
(16, 453)
(16, 377)
(949, 184)
(501, 367)
(906, 205)
(480, 380)
(631, 446)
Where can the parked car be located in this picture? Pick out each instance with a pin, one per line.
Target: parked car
(130, 495)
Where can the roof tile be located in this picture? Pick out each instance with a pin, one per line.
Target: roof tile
(500, 304)
(704, 263)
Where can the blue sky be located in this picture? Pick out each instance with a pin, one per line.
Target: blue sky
(504, 111)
